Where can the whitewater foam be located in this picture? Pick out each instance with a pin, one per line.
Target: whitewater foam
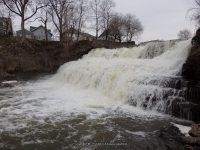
(103, 82)
(118, 73)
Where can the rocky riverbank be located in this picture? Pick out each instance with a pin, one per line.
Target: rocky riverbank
(192, 142)
(43, 57)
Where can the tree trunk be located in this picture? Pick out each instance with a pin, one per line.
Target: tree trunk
(79, 28)
(97, 24)
(131, 36)
(78, 34)
(97, 30)
(7, 27)
(72, 33)
(61, 31)
(46, 32)
(107, 29)
(106, 34)
(23, 29)
(61, 37)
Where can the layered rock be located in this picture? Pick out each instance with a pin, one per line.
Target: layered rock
(188, 106)
(191, 69)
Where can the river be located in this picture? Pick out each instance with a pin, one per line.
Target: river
(109, 99)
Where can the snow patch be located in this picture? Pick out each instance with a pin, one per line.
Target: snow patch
(183, 129)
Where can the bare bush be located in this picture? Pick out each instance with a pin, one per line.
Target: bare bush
(184, 34)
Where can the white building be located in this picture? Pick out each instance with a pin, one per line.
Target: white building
(37, 33)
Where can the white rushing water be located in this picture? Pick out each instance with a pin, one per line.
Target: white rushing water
(125, 74)
(102, 81)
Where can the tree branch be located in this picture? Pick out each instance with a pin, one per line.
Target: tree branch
(13, 11)
(37, 8)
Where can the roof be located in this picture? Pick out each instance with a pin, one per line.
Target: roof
(108, 32)
(32, 29)
(26, 31)
(104, 33)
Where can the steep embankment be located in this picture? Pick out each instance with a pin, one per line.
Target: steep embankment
(46, 57)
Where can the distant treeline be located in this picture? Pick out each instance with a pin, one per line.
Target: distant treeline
(99, 15)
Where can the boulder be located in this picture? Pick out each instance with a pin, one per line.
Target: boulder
(195, 131)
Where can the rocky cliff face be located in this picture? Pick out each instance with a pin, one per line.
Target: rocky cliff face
(191, 69)
(189, 106)
(43, 57)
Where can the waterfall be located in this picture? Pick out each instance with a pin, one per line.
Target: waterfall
(144, 76)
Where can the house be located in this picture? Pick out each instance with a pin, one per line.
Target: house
(6, 26)
(72, 34)
(111, 36)
(37, 33)
(29, 35)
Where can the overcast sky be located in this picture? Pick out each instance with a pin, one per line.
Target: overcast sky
(162, 19)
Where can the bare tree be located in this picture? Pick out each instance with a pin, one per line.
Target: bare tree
(132, 27)
(81, 10)
(184, 34)
(44, 17)
(196, 12)
(1, 9)
(21, 9)
(70, 24)
(4, 12)
(106, 9)
(6, 17)
(58, 11)
(116, 27)
(95, 8)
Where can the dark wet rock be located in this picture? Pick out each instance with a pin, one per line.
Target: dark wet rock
(191, 140)
(195, 131)
(172, 137)
(189, 108)
(191, 69)
(189, 147)
(185, 109)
